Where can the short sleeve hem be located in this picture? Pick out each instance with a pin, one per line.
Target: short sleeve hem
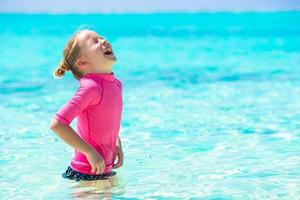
(62, 119)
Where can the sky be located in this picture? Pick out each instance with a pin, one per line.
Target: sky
(144, 6)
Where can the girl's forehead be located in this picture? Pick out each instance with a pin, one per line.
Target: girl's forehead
(86, 35)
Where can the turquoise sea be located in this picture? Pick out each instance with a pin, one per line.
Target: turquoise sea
(211, 105)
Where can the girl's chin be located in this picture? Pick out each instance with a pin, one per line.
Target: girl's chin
(111, 57)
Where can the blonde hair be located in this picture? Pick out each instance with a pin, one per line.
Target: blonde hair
(72, 51)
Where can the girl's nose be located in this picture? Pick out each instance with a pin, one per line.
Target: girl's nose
(103, 41)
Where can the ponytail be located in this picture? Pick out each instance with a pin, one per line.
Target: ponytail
(59, 72)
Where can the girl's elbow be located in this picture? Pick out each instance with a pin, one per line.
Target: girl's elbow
(54, 124)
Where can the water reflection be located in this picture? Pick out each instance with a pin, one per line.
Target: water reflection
(99, 189)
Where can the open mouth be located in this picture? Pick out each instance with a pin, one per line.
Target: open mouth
(108, 51)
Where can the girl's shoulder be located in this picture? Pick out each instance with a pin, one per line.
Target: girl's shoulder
(89, 87)
(89, 83)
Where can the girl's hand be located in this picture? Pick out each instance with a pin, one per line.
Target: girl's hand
(119, 154)
(96, 161)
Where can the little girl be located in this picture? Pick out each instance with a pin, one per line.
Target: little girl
(97, 104)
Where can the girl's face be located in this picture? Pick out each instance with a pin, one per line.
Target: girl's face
(97, 53)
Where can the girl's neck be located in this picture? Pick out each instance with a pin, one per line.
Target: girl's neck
(100, 71)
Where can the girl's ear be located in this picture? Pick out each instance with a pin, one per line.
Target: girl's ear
(80, 63)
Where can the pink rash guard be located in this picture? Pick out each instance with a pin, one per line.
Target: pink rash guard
(97, 104)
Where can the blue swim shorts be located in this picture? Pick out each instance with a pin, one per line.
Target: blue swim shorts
(77, 176)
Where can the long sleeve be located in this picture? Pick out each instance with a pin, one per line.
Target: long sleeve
(87, 95)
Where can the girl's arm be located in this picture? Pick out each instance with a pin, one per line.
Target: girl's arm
(68, 134)
(119, 142)
(118, 154)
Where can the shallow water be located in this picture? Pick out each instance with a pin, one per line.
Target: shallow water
(211, 106)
